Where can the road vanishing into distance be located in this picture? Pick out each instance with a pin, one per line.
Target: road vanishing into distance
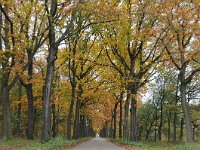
(97, 144)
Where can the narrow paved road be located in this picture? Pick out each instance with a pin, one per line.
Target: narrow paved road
(97, 144)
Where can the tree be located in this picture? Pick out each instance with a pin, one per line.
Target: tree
(134, 54)
(52, 11)
(7, 63)
(180, 46)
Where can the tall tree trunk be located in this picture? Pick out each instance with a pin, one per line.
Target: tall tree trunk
(140, 130)
(193, 129)
(115, 120)
(18, 129)
(73, 94)
(69, 118)
(76, 121)
(121, 113)
(133, 115)
(161, 122)
(147, 134)
(1, 23)
(52, 55)
(6, 113)
(174, 127)
(77, 112)
(181, 130)
(175, 115)
(54, 120)
(5, 88)
(148, 130)
(156, 124)
(46, 128)
(29, 92)
(187, 117)
(82, 126)
(126, 113)
(169, 127)
(111, 127)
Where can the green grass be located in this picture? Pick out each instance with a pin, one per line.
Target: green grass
(158, 145)
(23, 144)
(15, 143)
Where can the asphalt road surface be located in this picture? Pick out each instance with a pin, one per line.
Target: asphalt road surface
(97, 144)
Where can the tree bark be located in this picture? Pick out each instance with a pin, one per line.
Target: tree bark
(187, 117)
(29, 92)
(169, 127)
(126, 113)
(77, 112)
(76, 121)
(121, 113)
(5, 87)
(19, 111)
(156, 124)
(1, 23)
(181, 130)
(115, 120)
(46, 128)
(161, 121)
(111, 127)
(175, 115)
(69, 118)
(6, 113)
(133, 115)
(174, 127)
(54, 120)
(52, 55)
(73, 94)
(148, 130)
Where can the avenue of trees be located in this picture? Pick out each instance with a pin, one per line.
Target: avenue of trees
(122, 68)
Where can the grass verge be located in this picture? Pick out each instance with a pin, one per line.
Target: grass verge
(157, 145)
(23, 144)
